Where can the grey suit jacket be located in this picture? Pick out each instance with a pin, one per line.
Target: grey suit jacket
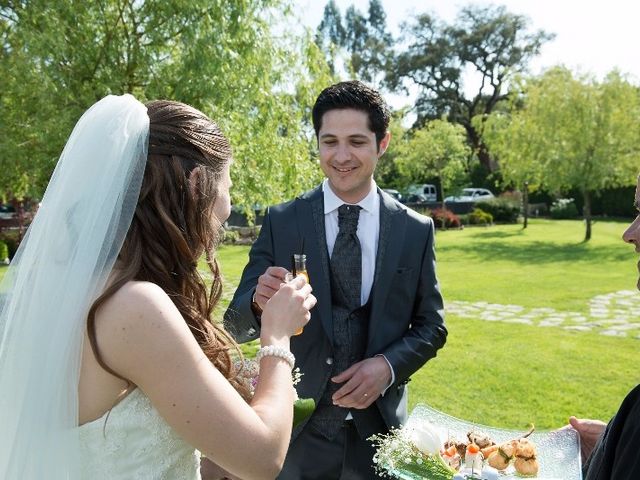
(406, 324)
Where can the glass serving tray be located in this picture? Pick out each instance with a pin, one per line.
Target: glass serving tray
(558, 451)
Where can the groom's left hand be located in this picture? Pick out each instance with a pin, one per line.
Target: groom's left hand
(365, 381)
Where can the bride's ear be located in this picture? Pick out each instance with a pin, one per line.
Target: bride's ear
(194, 179)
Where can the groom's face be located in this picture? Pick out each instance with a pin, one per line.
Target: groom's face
(348, 153)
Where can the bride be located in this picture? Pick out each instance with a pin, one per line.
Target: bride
(109, 364)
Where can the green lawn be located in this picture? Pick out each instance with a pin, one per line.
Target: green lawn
(508, 374)
(546, 264)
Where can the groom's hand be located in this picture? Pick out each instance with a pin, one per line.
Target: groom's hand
(365, 381)
(268, 284)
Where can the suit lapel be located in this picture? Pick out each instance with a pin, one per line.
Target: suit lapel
(310, 218)
(392, 225)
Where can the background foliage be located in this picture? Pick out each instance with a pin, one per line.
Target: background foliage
(242, 63)
(585, 135)
(567, 131)
(224, 57)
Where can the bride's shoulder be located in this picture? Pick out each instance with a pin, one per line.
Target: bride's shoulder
(137, 306)
(135, 290)
(136, 327)
(139, 329)
(137, 294)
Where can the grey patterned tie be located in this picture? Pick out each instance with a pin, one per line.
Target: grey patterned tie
(346, 278)
(346, 259)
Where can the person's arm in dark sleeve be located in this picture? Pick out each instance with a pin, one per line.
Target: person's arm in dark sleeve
(241, 319)
(427, 333)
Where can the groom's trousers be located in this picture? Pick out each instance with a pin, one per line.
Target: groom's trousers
(312, 457)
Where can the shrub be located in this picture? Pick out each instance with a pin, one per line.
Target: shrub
(513, 195)
(4, 252)
(230, 237)
(440, 216)
(480, 217)
(12, 239)
(608, 202)
(502, 209)
(422, 210)
(563, 208)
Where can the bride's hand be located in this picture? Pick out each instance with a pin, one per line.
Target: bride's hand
(287, 311)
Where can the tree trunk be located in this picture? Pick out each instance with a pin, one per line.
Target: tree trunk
(525, 204)
(586, 213)
(481, 149)
(444, 207)
(485, 158)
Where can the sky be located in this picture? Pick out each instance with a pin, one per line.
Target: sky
(592, 36)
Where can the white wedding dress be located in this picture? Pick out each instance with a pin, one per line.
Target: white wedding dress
(135, 443)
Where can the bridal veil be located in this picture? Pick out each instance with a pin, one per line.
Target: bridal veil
(61, 266)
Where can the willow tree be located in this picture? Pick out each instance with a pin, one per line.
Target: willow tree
(58, 57)
(575, 132)
(509, 137)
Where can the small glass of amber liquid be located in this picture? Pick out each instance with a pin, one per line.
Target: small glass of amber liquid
(298, 267)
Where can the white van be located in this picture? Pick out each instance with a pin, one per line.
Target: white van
(427, 190)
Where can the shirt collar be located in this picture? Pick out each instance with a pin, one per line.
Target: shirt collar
(332, 201)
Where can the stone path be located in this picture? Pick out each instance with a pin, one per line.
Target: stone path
(614, 314)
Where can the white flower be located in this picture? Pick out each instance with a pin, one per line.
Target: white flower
(426, 438)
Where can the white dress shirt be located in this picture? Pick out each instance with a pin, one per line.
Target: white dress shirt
(368, 233)
(368, 230)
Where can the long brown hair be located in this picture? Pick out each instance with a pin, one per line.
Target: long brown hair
(172, 227)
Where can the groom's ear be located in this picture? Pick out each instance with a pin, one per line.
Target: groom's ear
(384, 144)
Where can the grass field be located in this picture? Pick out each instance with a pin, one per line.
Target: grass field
(509, 375)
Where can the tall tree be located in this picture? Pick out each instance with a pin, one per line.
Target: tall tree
(507, 134)
(331, 34)
(356, 36)
(59, 57)
(363, 41)
(488, 41)
(387, 174)
(438, 149)
(580, 132)
(369, 43)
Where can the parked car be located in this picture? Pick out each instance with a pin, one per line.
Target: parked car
(427, 190)
(413, 198)
(470, 195)
(394, 193)
(7, 212)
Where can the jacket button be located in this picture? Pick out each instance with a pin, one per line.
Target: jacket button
(329, 361)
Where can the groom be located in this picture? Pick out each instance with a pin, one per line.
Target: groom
(371, 263)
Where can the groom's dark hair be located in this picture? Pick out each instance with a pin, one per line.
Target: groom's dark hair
(358, 96)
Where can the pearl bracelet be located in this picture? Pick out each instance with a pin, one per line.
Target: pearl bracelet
(275, 351)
